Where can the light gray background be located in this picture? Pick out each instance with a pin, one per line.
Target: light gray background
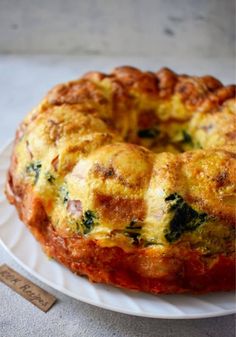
(150, 27)
(195, 37)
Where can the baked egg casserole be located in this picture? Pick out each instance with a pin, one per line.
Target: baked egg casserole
(128, 178)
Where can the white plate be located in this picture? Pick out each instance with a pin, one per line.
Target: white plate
(22, 246)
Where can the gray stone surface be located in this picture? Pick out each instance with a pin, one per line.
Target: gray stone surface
(70, 318)
(23, 82)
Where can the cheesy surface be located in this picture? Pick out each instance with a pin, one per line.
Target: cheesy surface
(138, 161)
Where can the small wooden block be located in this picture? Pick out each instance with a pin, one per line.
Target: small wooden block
(27, 289)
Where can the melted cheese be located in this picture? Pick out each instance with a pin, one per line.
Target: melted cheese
(82, 148)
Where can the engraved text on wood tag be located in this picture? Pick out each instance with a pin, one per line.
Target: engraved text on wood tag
(34, 294)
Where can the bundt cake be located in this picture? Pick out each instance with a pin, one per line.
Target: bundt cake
(129, 179)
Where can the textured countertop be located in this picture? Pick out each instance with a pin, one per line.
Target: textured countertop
(24, 80)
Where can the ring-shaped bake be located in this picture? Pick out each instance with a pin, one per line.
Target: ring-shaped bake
(129, 179)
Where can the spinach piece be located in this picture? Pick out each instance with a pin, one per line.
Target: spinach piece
(64, 194)
(88, 221)
(134, 236)
(148, 133)
(133, 231)
(34, 169)
(186, 137)
(50, 178)
(185, 218)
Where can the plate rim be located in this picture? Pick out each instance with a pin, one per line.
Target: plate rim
(103, 305)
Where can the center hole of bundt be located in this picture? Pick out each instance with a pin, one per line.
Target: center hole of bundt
(160, 136)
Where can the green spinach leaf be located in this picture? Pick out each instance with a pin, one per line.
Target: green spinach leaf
(64, 194)
(184, 218)
(148, 133)
(88, 221)
(186, 137)
(133, 230)
(34, 169)
(50, 178)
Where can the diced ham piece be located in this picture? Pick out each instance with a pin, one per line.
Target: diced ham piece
(74, 207)
(81, 169)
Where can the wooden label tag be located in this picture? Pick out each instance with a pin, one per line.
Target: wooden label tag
(24, 287)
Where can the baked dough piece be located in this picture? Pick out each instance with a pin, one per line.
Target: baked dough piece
(129, 179)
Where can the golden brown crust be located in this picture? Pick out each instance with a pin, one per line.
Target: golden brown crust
(138, 217)
(193, 90)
